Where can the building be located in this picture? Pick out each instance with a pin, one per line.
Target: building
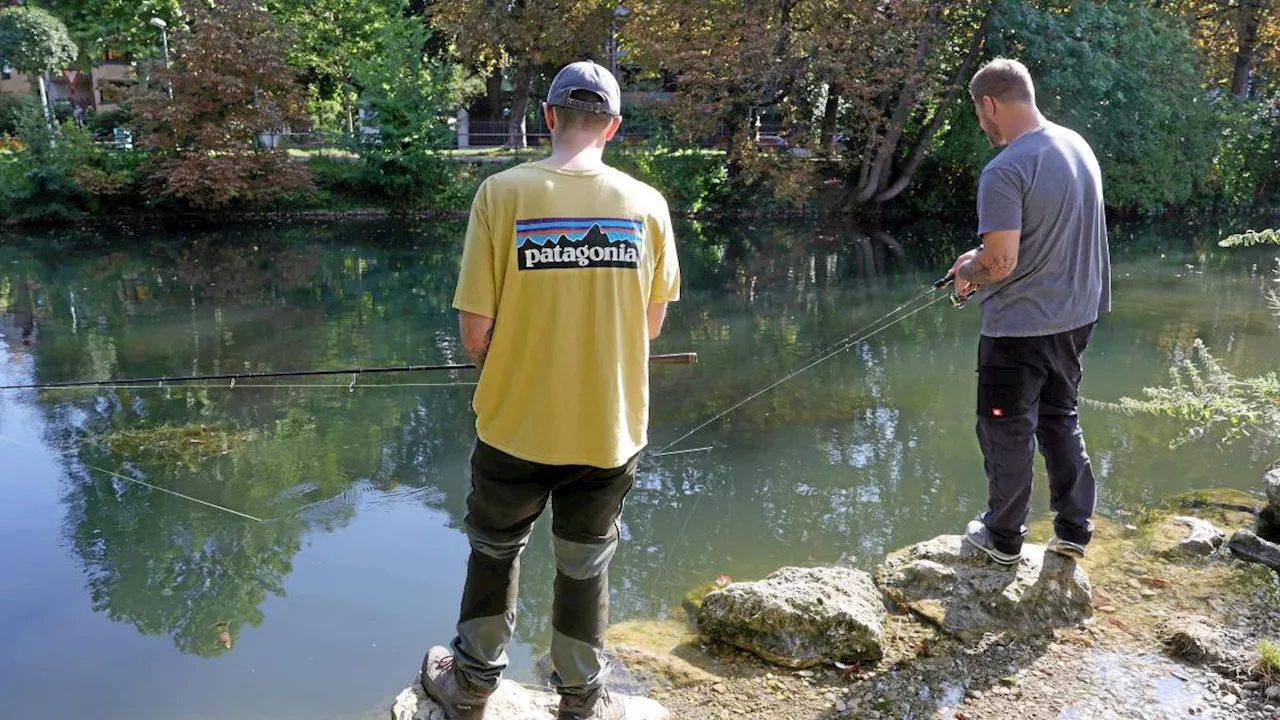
(100, 89)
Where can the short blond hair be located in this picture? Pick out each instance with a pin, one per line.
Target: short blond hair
(574, 119)
(1004, 80)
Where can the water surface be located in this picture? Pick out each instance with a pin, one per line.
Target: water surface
(122, 601)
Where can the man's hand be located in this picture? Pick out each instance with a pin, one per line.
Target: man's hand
(963, 287)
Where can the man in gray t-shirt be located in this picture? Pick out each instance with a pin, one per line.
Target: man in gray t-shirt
(1042, 275)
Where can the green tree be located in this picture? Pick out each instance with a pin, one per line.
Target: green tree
(524, 36)
(120, 25)
(881, 74)
(33, 41)
(1150, 123)
(411, 97)
(330, 39)
(207, 115)
(1240, 40)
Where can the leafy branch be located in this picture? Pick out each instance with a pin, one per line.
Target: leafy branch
(1249, 238)
(1211, 398)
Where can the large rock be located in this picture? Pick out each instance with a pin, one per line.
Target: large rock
(1272, 482)
(961, 590)
(1182, 536)
(512, 702)
(1195, 639)
(799, 617)
(1247, 546)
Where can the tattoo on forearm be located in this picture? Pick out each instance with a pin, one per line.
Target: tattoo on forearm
(979, 272)
(479, 356)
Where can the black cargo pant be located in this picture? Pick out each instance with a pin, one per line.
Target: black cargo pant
(1028, 390)
(507, 496)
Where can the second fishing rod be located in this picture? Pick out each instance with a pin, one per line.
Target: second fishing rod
(902, 312)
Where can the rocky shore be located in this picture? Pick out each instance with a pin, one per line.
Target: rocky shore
(1165, 618)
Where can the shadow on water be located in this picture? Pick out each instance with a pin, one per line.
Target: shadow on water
(869, 451)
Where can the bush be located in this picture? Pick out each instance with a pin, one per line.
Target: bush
(64, 174)
(692, 180)
(1246, 168)
(12, 108)
(410, 97)
(102, 124)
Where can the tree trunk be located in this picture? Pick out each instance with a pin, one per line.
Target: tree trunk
(44, 104)
(346, 106)
(493, 95)
(882, 166)
(1247, 43)
(520, 105)
(908, 169)
(830, 119)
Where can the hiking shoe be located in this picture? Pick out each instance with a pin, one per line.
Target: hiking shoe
(595, 705)
(1066, 548)
(978, 536)
(443, 685)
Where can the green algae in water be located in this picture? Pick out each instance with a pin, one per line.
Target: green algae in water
(187, 444)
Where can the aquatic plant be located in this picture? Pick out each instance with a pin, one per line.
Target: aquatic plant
(1209, 396)
(186, 444)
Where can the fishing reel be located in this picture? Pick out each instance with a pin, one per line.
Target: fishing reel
(958, 301)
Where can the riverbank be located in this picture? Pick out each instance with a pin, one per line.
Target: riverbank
(1176, 627)
(1124, 662)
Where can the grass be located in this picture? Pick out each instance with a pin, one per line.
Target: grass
(1269, 662)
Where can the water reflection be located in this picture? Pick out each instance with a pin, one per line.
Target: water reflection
(866, 452)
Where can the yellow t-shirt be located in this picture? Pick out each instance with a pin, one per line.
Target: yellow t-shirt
(566, 262)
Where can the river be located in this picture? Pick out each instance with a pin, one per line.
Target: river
(123, 601)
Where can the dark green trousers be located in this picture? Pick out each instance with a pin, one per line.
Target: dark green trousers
(507, 496)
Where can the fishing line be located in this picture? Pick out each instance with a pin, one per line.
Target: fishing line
(146, 484)
(867, 332)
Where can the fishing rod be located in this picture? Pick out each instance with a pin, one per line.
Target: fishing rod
(863, 334)
(667, 359)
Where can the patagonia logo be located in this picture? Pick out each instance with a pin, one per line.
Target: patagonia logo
(550, 243)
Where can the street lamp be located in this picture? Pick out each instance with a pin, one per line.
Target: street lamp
(164, 37)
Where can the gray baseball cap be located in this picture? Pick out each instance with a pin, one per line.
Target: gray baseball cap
(586, 75)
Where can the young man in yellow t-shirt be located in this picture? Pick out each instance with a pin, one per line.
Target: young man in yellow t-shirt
(566, 274)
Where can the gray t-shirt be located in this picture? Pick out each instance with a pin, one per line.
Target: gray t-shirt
(1047, 184)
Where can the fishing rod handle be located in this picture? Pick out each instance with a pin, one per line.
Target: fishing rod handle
(674, 359)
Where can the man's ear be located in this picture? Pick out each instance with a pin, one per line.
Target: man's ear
(990, 105)
(613, 128)
(549, 113)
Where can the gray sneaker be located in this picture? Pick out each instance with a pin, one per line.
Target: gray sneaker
(1066, 548)
(445, 687)
(978, 536)
(595, 705)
